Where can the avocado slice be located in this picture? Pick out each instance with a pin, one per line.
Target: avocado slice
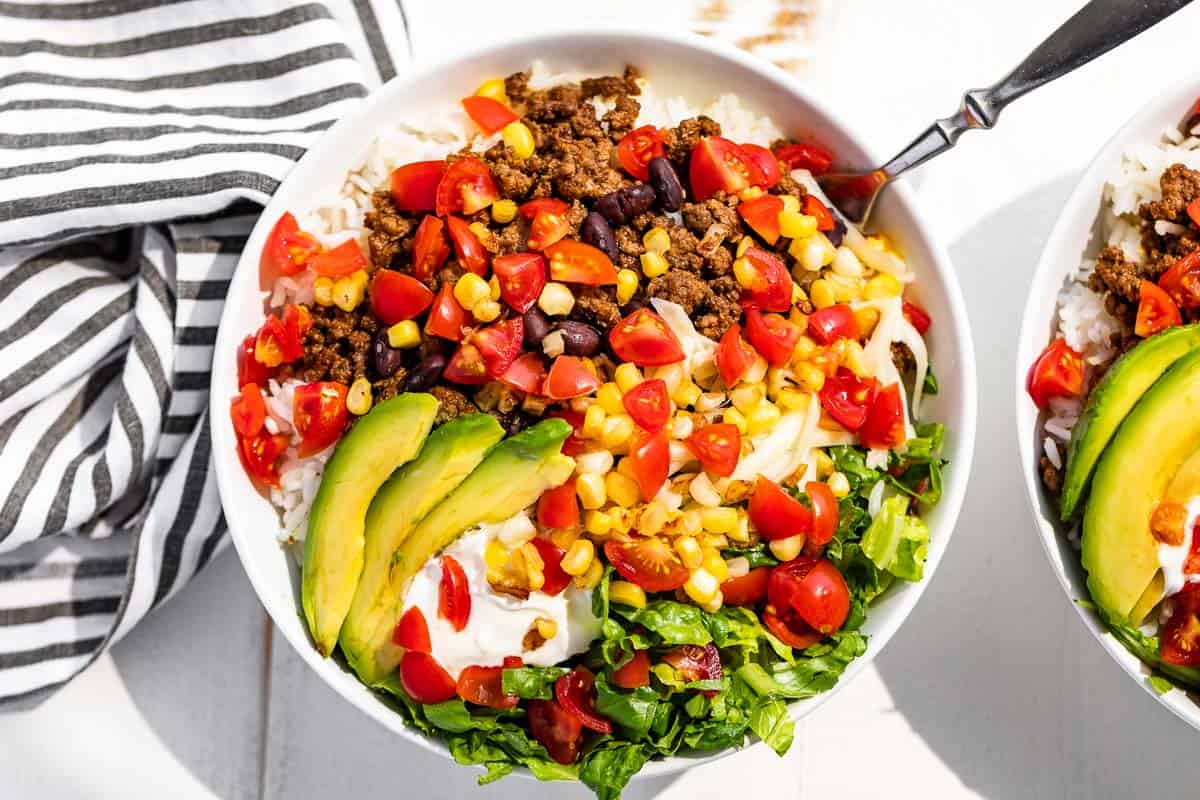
(450, 454)
(1111, 400)
(1157, 438)
(389, 435)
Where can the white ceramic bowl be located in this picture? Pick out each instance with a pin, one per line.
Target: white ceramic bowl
(1075, 236)
(691, 66)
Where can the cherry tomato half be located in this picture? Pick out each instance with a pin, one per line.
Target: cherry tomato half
(430, 250)
(1179, 639)
(414, 186)
(424, 679)
(1182, 281)
(319, 414)
(734, 356)
(466, 187)
(489, 114)
(1057, 372)
(287, 250)
(815, 208)
(575, 443)
(552, 556)
(527, 373)
(916, 316)
(522, 277)
(770, 288)
(812, 157)
(396, 297)
(556, 730)
(848, 398)
(412, 631)
(827, 325)
(576, 262)
(548, 227)
(814, 589)
(775, 513)
(454, 594)
(695, 662)
(248, 410)
(637, 148)
(634, 673)
(569, 377)
(342, 260)
(718, 447)
(644, 338)
(466, 366)
(484, 686)
(446, 317)
(1156, 310)
(259, 455)
(649, 404)
(824, 512)
(767, 163)
(719, 165)
(500, 344)
(559, 507)
(762, 214)
(772, 336)
(787, 627)
(650, 460)
(648, 561)
(747, 589)
(249, 368)
(576, 693)
(884, 426)
(468, 249)
(531, 208)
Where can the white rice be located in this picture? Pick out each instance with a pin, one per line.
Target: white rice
(432, 135)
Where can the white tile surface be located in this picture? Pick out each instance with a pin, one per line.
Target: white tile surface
(992, 690)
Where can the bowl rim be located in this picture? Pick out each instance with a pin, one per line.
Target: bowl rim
(1034, 336)
(940, 268)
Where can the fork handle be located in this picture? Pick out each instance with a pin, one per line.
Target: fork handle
(1095, 29)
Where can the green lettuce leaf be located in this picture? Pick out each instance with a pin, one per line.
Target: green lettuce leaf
(771, 722)
(531, 683)
(608, 766)
(672, 622)
(896, 541)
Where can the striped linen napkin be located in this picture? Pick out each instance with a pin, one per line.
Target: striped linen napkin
(139, 140)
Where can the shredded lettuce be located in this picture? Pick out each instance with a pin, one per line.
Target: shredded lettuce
(897, 541)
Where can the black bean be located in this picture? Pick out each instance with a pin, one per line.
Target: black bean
(579, 338)
(425, 374)
(839, 230)
(536, 328)
(624, 204)
(384, 358)
(666, 183)
(599, 234)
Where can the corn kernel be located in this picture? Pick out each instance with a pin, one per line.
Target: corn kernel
(795, 225)
(621, 489)
(590, 489)
(347, 293)
(745, 274)
(701, 586)
(593, 421)
(673, 375)
(714, 605)
(556, 299)
(622, 519)
(627, 285)
(404, 335)
(323, 291)
(627, 376)
(653, 518)
(745, 244)
(846, 263)
(839, 484)
(883, 286)
(735, 418)
(855, 359)
(825, 465)
(591, 578)
(787, 549)
(358, 399)
(493, 88)
(805, 348)
(687, 523)
(578, 558)
(686, 395)
(617, 430)
(790, 202)
(471, 289)
(608, 397)
(722, 519)
(546, 627)
(595, 462)
(681, 425)
(792, 399)
(762, 418)
(703, 492)
(504, 211)
(747, 396)
(821, 293)
(845, 289)
(738, 567)
(494, 287)
(627, 594)
(656, 240)
(597, 523)
(486, 310)
(481, 231)
(689, 552)
(751, 193)
(495, 555)
(654, 264)
(518, 136)
(535, 575)
(563, 538)
(866, 318)
(714, 564)
(811, 377)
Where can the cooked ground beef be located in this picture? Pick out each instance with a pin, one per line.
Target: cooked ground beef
(338, 348)
(597, 306)
(1115, 273)
(1180, 186)
(903, 358)
(1051, 476)
(391, 231)
(680, 140)
(452, 404)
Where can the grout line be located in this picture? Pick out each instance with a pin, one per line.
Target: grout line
(265, 706)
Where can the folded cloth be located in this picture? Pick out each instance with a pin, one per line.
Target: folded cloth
(139, 140)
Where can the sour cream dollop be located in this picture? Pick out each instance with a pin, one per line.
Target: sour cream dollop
(498, 622)
(1172, 557)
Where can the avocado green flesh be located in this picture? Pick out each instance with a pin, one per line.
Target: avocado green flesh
(1157, 438)
(1111, 400)
(388, 436)
(450, 454)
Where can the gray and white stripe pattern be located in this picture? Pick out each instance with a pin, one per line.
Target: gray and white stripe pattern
(139, 140)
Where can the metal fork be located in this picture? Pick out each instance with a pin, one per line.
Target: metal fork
(1095, 29)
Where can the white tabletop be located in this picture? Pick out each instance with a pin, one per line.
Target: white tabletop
(992, 689)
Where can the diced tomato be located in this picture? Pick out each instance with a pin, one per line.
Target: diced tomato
(319, 414)
(916, 316)
(468, 249)
(649, 404)
(527, 374)
(772, 336)
(466, 366)
(466, 187)
(500, 344)
(771, 287)
(414, 186)
(555, 578)
(734, 356)
(287, 249)
(648, 561)
(575, 443)
(815, 208)
(634, 673)
(637, 148)
(546, 229)
(812, 157)
(650, 459)
(1179, 639)
(718, 447)
(569, 376)
(489, 114)
(762, 214)
(644, 338)
(1193, 211)
(695, 662)
(814, 589)
(787, 627)
(827, 325)
(278, 342)
(248, 410)
(719, 165)
(884, 428)
(259, 455)
(454, 594)
(559, 507)
(848, 398)
(484, 686)
(430, 250)
(825, 514)
(747, 589)
(1182, 281)
(342, 260)
(767, 163)
(446, 317)
(522, 277)
(249, 368)
(1156, 310)
(539, 205)
(775, 513)
(396, 297)
(412, 631)
(424, 679)
(1057, 372)
(1191, 564)
(576, 262)
(556, 730)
